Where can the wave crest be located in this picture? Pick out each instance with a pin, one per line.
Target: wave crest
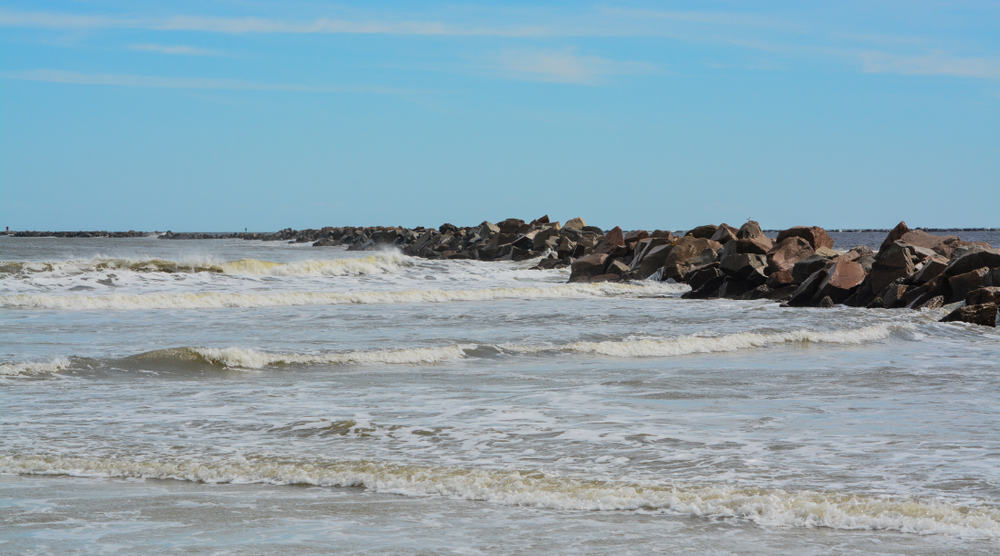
(378, 263)
(34, 368)
(764, 506)
(214, 300)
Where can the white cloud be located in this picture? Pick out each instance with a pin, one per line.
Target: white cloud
(176, 49)
(931, 64)
(159, 82)
(239, 25)
(564, 66)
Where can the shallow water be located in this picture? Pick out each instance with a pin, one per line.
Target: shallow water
(232, 396)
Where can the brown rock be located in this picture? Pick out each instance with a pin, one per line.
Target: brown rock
(705, 232)
(613, 241)
(574, 224)
(586, 267)
(651, 260)
(962, 284)
(841, 280)
(894, 235)
(984, 314)
(787, 252)
(814, 235)
(931, 268)
(973, 259)
(724, 233)
(780, 279)
(688, 253)
(990, 294)
(744, 266)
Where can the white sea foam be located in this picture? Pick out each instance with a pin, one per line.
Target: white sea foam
(210, 300)
(685, 345)
(764, 506)
(31, 368)
(246, 358)
(377, 263)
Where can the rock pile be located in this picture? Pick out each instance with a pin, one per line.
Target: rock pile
(912, 268)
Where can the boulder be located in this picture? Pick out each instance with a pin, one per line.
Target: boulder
(488, 229)
(650, 260)
(841, 280)
(804, 294)
(613, 242)
(724, 233)
(687, 253)
(616, 267)
(815, 236)
(894, 235)
(809, 265)
(896, 260)
(984, 314)
(584, 268)
(779, 279)
(546, 238)
(989, 294)
(539, 221)
(748, 267)
(574, 224)
(787, 252)
(929, 269)
(962, 284)
(749, 229)
(512, 226)
(704, 232)
(973, 259)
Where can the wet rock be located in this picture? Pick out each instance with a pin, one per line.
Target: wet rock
(984, 314)
(804, 294)
(990, 294)
(826, 302)
(584, 268)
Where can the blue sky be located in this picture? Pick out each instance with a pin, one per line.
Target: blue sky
(220, 115)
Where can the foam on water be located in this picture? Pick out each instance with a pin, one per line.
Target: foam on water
(378, 263)
(764, 506)
(246, 358)
(209, 300)
(32, 368)
(686, 345)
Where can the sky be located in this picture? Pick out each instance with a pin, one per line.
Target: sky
(220, 115)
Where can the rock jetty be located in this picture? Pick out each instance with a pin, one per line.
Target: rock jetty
(799, 267)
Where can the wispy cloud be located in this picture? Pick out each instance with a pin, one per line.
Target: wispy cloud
(733, 19)
(175, 49)
(244, 25)
(564, 66)
(931, 64)
(202, 83)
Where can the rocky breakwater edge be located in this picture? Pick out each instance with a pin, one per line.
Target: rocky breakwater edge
(912, 268)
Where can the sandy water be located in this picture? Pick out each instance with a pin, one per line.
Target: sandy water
(231, 396)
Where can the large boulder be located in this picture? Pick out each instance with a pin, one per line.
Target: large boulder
(584, 268)
(983, 314)
(990, 294)
(751, 234)
(724, 233)
(814, 235)
(787, 252)
(961, 285)
(704, 232)
(973, 259)
(687, 253)
(575, 224)
(613, 242)
(748, 267)
(808, 266)
(804, 294)
(651, 258)
(841, 280)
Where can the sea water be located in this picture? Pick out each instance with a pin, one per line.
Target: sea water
(233, 396)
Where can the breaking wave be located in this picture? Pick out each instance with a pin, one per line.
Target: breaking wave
(763, 506)
(686, 345)
(32, 368)
(246, 358)
(193, 358)
(211, 300)
(378, 263)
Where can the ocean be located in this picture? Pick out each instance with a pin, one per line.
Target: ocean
(231, 397)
